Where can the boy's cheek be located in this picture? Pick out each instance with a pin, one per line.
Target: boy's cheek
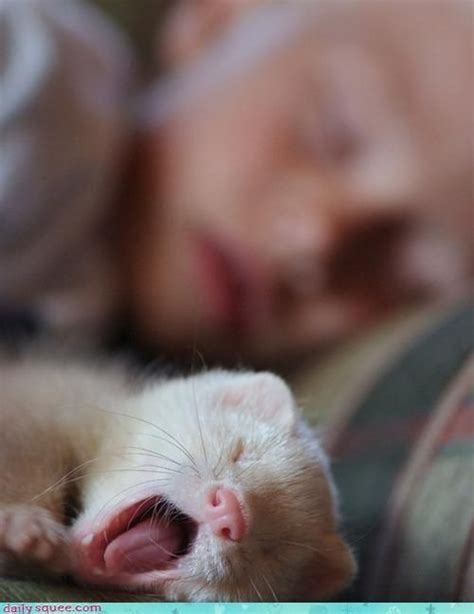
(221, 180)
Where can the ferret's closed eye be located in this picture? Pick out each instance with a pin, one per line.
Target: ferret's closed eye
(237, 452)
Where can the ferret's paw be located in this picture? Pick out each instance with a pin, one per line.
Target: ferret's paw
(31, 535)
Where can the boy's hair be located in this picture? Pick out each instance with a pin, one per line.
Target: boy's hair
(251, 38)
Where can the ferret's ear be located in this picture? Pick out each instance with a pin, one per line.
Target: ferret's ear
(331, 570)
(264, 395)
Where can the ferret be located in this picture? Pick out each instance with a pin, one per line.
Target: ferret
(208, 487)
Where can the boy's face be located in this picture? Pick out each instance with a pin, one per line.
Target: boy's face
(276, 208)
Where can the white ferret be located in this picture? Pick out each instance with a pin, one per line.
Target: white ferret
(208, 487)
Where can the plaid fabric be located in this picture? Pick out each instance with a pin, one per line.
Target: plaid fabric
(425, 545)
(19, 590)
(403, 466)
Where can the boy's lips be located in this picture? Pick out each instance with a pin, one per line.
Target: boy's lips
(234, 288)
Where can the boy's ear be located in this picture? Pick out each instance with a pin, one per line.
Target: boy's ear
(264, 395)
(330, 571)
(191, 25)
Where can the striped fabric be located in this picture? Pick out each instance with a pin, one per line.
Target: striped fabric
(404, 467)
(425, 545)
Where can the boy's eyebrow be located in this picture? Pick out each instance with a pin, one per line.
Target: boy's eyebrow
(251, 38)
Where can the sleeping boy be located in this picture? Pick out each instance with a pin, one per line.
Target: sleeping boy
(303, 169)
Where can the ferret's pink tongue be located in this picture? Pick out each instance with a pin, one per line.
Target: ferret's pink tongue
(144, 547)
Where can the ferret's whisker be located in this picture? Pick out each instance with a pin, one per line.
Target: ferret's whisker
(198, 421)
(163, 549)
(170, 512)
(161, 456)
(262, 453)
(195, 404)
(136, 513)
(151, 453)
(256, 462)
(265, 579)
(162, 506)
(223, 449)
(258, 593)
(172, 438)
(231, 447)
(151, 466)
(177, 445)
(182, 466)
(174, 442)
(134, 470)
(126, 490)
(303, 545)
(62, 481)
(69, 478)
(216, 473)
(198, 353)
(73, 480)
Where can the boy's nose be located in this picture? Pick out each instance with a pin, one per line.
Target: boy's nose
(223, 512)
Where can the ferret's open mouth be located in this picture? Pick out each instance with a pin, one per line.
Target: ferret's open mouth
(150, 535)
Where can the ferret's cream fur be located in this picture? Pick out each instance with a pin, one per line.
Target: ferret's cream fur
(91, 429)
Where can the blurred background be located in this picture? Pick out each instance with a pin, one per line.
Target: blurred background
(254, 181)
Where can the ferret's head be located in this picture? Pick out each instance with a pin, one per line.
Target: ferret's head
(217, 491)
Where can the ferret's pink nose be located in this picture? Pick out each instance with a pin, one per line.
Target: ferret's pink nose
(223, 513)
